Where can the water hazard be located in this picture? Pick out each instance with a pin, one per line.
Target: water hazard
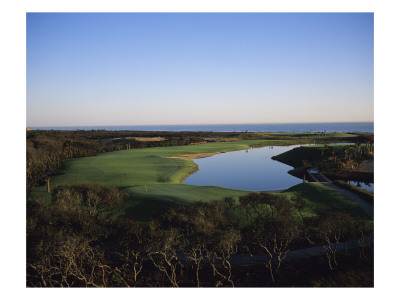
(251, 169)
(369, 186)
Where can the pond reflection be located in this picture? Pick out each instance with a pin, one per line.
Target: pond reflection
(250, 169)
(363, 185)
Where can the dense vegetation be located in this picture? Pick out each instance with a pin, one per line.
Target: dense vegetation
(336, 161)
(46, 149)
(76, 241)
(118, 216)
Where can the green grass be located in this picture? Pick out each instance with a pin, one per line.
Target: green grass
(128, 168)
(322, 199)
(135, 170)
(135, 167)
(143, 204)
(319, 200)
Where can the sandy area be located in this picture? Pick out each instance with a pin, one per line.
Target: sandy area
(142, 139)
(194, 156)
(149, 139)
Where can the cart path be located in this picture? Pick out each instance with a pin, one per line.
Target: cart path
(366, 206)
(246, 259)
(243, 259)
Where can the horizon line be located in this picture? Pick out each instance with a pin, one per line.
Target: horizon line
(204, 124)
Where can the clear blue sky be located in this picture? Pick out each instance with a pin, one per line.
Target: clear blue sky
(141, 69)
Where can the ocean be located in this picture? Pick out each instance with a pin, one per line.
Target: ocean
(364, 127)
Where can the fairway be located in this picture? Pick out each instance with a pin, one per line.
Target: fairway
(148, 166)
(128, 168)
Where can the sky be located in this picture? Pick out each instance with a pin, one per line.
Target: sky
(105, 69)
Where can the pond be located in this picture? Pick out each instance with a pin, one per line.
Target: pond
(251, 169)
(363, 185)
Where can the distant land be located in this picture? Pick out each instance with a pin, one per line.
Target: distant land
(366, 127)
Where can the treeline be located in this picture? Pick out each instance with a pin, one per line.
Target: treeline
(351, 155)
(46, 149)
(44, 155)
(110, 134)
(336, 161)
(344, 165)
(77, 241)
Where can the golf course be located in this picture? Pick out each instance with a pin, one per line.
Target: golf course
(194, 149)
(153, 179)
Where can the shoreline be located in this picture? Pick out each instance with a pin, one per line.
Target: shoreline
(192, 157)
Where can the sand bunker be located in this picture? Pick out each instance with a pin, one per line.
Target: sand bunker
(194, 156)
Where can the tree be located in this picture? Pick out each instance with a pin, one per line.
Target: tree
(163, 246)
(299, 204)
(306, 167)
(128, 238)
(48, 184)
(195, 226)
(274, 236)
(272, 228)
(333, 228)
(99, 201)
(61, 250)
(221, 250)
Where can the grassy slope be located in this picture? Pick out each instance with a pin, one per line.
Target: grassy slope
(323, 199)
(142, 204)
